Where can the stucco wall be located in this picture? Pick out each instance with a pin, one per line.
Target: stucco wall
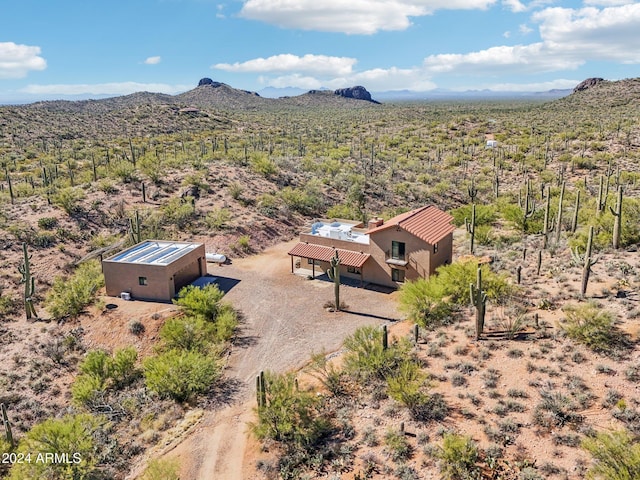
(161, 279)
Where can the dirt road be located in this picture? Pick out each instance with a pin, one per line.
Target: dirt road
(284, 322)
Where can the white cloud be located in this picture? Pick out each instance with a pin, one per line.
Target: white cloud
(525, 29)
(17, 60)
(533, 58)
(590, 33)
(311, 64)
(122, 88)
(515, 6)
(607, 3)
(153, 60)
(506, 34)
(353, 17)
(375, 79)
(558, 84)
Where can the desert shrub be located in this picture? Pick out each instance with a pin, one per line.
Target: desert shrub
(235, 190)
(268, 205)
(458, 456)
(100, 371)
(187, 333)
(430, 301)
(330, 376)
(72, 434)
(289, 415)
(47, 223)
(263, 165)
(44, 239)
(218, 218)
(407, 385)
(423, 301)
(366, 358)
(616, 456)
(307, 200)
(594, 327)
(8, 305)
(68, 297)
(179, 211)
(225, 324)
(161, 469)
(484, 234)
(485, 214)
(243, 244)
(342, 210)
(181, 374)
(69, 199)
(201, 302)
(397, 446)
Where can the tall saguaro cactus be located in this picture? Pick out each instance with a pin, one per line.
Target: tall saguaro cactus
(617, 223)
(559, 214)
(29, 283)
(135, 228)
(479, 301)
(587, 262)
(261, 390)
(576, 211)
(547, 226)
(7, 426)
(471, 227)
(334, 274)
(528, 205)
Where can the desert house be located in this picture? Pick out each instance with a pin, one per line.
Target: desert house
(154, 269)
(406, 247)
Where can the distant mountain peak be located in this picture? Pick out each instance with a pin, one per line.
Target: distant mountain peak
(588, 83)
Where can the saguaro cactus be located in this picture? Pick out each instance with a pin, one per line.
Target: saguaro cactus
(587, 262)
(261, 390)
(576, 211)
(547, 226)
(559, 215)
(334, 274)
(29, 284)
(617, 223)
(471, 227)
(472, 191)
(7, 426)
(479, 301)
(135, 228)
(528, 205)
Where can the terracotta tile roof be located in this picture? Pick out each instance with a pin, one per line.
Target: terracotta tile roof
(427, 223)
(324, 254)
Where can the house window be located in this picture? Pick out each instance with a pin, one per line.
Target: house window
(435, 248)
(142, 281)
(311, 261)
(397, 275)
(353, 270)
(397, 250)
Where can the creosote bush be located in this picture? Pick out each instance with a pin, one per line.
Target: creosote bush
(181, 374)
(289, 415)
(616, 456)
(594, 327)
(72, 434)
(68, 297)
(458, 456)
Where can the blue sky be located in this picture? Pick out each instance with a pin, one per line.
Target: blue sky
(53, 48)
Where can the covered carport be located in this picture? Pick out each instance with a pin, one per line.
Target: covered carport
(321, 253)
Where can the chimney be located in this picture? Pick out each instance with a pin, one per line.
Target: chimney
(375, 222)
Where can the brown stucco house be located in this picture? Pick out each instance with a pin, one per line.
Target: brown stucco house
(406, 247)
(154, 269)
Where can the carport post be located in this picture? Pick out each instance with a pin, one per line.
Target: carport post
(291, 263)
(313, 268)
(361, 269)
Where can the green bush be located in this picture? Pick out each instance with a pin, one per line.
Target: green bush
(485, 214)
(181, 374)
(218, 218)
(201, 302)
(68, 297)
(423, 301)
(458, 456)
(407, 385)
(47, 223)
(179, 212)
(100, 371)
(225, 324)
(187, 333)
(71, 434)
(69, 199)
(289, 415)
(161, 469)
(397, 446)
(594, 327)
(616, 456)
(366, 358)
(263, 165)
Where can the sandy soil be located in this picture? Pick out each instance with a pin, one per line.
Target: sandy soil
(284, 322)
